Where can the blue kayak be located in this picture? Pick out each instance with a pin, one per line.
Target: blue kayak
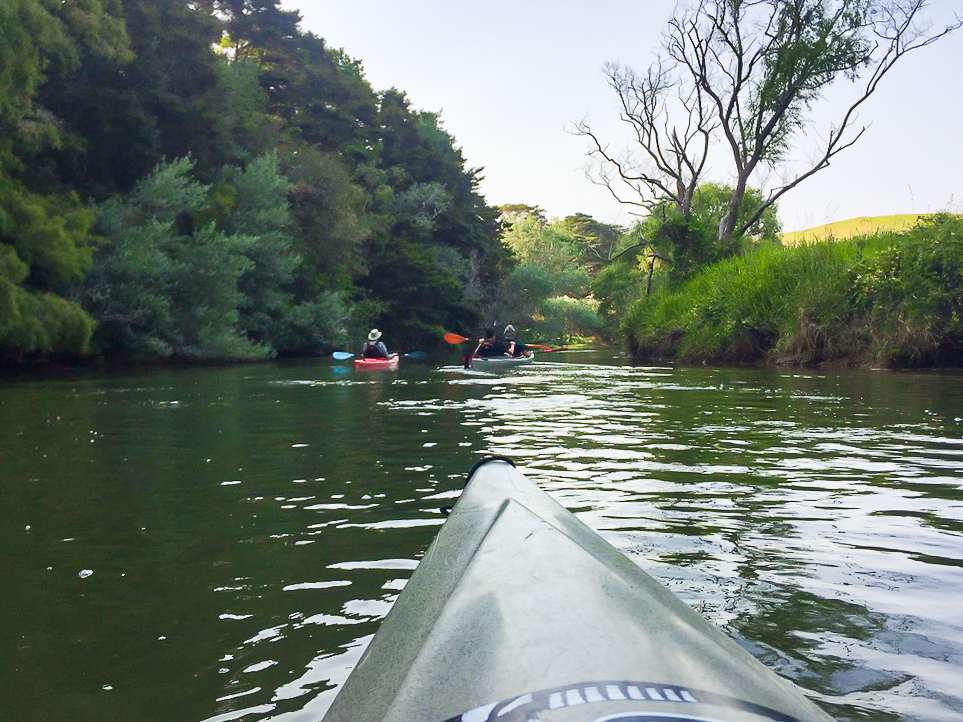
(519, 612)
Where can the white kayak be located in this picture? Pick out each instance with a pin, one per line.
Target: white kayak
(498, 362)
(519, 612)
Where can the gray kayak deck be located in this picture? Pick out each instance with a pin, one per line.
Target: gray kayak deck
(520, 612)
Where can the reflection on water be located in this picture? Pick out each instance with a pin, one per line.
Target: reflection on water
(221, 544)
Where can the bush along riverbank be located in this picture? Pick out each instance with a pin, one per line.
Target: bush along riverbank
(892, 300)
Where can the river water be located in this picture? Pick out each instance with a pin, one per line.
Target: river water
(214, 544)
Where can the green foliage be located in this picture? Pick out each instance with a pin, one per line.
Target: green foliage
(37, 38)
(617, 287)
(48, 233)
(123, 114)
(260, 214)
(37, 324)
(232, 253)
(547, 254)
(747, 75)
(546, 294)
(563, 318)
(691, 241)
(420, 205)
(28, 32)
(524, 290)
(203, 283)
(753, 308)
(516, 211)
(601, 242)
(163, 287)
(327, 224)
(910, 288)
(408, 295)
(310, 327)
(242, 119)
(892, 299)
(554, 247)
(811, 45)
(45, 247)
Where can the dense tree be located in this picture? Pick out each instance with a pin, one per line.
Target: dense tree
(424, 164)
(554, 246)
(616, 288)
(515, 211)
(407, 292)
(161, 286)
(124, 115)
(39, 37)
(743, 76)
(180, 278)
(419, 190)
(45, 245)
(44, 249)
(687, 242)
(304, 203)
(327, 208)
(259, 210)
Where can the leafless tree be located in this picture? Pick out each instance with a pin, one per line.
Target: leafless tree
(744, 74)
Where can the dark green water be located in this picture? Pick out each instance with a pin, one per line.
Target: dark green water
(217, 544)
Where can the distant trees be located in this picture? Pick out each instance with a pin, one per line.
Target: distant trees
(547, 293)
(742, 76)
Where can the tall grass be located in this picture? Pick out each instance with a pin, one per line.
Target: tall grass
(892, 299)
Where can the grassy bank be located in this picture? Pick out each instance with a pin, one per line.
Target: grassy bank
(894, 299)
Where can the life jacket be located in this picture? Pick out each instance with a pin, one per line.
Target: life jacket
(492, 347)
(374, 349)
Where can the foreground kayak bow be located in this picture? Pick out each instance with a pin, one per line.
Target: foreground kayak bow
(521, 613)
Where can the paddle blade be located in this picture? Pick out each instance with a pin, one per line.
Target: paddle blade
(455, 338)
(415, 354)
(342, 355)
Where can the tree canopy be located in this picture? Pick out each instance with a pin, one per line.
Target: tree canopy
(203, 178)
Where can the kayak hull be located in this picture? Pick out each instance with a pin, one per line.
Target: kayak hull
(520, 612)
(377, 364)
(497, 362)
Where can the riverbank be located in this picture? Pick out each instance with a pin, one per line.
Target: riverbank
(890, 300)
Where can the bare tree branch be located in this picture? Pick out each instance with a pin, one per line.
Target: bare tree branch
(747, 73)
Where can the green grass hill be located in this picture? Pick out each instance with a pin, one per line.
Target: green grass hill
(853, 227)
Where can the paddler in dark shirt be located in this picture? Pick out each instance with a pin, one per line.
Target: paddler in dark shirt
(373, 348)
(492, 346)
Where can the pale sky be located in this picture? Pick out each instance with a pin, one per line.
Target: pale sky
(511, 77)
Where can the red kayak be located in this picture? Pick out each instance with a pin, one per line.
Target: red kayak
(377, 364)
